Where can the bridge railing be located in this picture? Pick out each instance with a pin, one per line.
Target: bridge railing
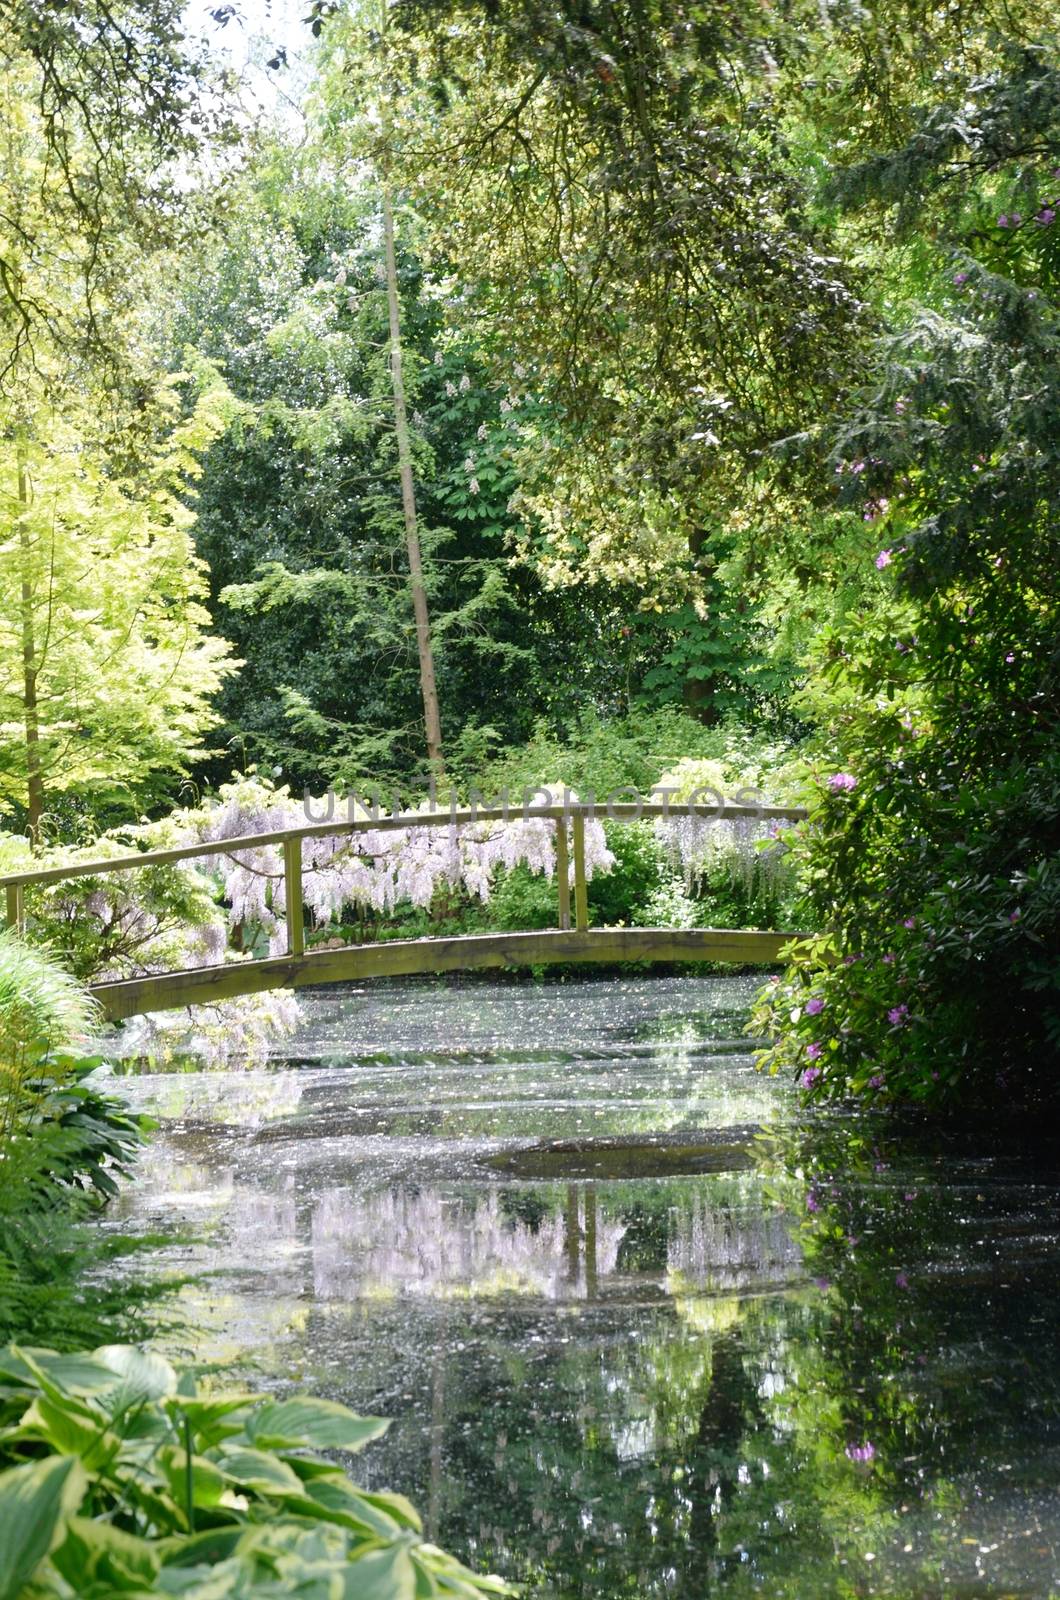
(571, 814)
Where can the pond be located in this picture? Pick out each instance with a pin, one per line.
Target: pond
(641, 1330)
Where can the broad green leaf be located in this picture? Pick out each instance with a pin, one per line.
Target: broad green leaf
(259, 1471)
(208, 1482)
(212, 1420)
(98, 1552)
(75, 1374)
(395, 1505)
(305, 1423)
(382, 1575)
(341, 1496)
(35, 1502)
(144, 1376)
(229, 1581)
(208, 1548)
(71, 1432)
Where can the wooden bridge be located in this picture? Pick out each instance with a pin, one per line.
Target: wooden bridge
(301, 967)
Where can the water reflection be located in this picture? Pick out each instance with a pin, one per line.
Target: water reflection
(830, 1373)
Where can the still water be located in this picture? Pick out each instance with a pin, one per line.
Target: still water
(642, 1333)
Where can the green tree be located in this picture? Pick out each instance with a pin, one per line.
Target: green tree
(106, 665)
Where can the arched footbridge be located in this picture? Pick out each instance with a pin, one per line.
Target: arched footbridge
(571, 941)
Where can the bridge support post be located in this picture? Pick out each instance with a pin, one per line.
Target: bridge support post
(563, 872)
(16, 914)
(581, 899)
(292, 893)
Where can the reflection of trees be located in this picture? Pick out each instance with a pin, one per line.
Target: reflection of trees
(550, 1241)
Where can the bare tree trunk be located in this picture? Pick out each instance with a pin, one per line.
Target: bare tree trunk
(31, 723)
(431, 719)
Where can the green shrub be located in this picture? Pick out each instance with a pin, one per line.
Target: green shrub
(124, 1479)
(63, 1145)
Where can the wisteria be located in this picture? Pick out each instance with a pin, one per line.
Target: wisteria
(738, 847)
(374, 869)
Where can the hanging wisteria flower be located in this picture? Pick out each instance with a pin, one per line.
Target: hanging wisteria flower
(814, 1006)
(810, 1077)
(813, 1051)
(861, 1452)
(883, 560)
(842, 781)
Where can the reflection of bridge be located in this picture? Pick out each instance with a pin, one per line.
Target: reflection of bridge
(300, 967)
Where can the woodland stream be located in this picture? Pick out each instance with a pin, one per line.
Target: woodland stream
(641, 1330)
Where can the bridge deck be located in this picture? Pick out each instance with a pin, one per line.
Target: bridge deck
(301, 967)
(399, 958)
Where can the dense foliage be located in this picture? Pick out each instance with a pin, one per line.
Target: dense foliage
(933, 859)
(64, 1143)
(134, 1481)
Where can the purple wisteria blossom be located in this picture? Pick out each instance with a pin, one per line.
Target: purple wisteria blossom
(841, 782)
(897, 1015)
(814, 1006)
(813, 1051)
(812, 1203)
(876, 1081)
(810, 1077)
(883, 560)
(862, 1452)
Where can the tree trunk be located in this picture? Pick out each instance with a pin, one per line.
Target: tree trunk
(34, 773)
(408, 500)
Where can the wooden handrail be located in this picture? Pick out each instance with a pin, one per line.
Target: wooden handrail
(625, 812)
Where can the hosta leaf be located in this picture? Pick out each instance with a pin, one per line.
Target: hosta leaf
(369, 1511)
(144, 1375)
(35, 1502)
(305, 1423)
(382, 1575)
(73, 1374)
(259, 1471)
(70, 1432)
(213, 1419)
(97, 1552)
(208, 1482)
